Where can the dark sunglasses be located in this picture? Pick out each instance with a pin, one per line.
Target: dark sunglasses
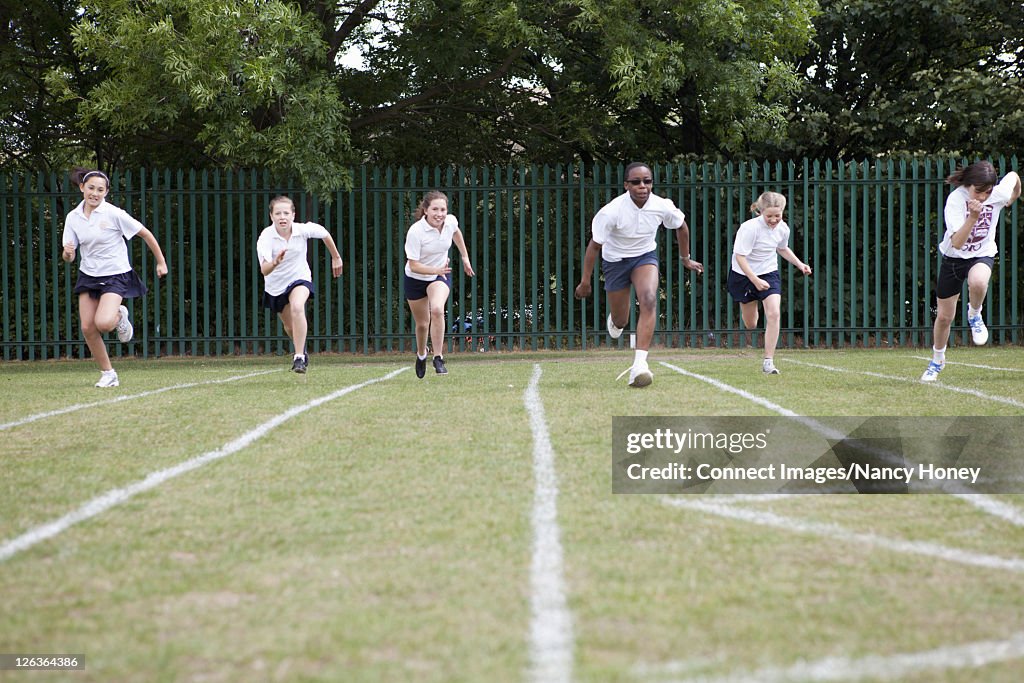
(638, 181)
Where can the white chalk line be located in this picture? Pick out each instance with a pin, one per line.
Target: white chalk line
(936, 385)
(551, 631)
(126, 397)
(973, 365)
(836, 532)
(117, 496)
(892, 667)
(838, 669)
(983, 502)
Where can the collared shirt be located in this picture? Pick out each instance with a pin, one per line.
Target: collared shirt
(294, 266)
(101, 237)
(625, 230)
(759, 243)
(982, 240)
(428, 245)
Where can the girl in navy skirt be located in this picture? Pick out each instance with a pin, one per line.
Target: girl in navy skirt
(105, 275)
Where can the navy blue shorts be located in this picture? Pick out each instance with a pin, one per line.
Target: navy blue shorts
(128, 285)
(617, 274)
(953, 273)
(280, 301)
(743, 290)
(417, 289)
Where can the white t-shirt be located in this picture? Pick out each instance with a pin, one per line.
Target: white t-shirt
(625, 230)
(101, 237)
(982, 240)
(759, 243)
(294, 266)
(428, 245)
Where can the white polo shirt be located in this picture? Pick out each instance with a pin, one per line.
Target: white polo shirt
(982, 240)
(101, 237)
(625, 230)
(294, 266)
(759, 243)
(429, 246)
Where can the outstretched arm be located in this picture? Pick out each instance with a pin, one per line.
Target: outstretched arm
(154, 246)
(788, 254)
(336, 262)
(1016, 188)
(589, 259)
(683, 240)
(460, 244)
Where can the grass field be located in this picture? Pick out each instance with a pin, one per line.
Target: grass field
(227, 520)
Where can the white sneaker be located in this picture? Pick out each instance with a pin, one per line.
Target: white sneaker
(639, 375)
(979, 333)
(613, 332)
(932, 373)
(108, 378)
(125, 331)
(768, 367)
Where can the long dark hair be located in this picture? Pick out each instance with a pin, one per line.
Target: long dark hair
(981, 175)
(421, 208)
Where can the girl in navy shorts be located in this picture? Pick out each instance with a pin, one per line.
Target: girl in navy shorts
(287, 278)
(105, 275)
(754, 276)
(428, 281)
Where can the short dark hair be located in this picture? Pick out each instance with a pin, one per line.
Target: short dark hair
(636, 164)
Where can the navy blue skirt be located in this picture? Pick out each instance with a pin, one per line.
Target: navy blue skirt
(277, 303)
(128, 285)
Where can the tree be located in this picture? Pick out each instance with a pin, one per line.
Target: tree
(916, 76)
(240, 83)
(262, 82)
(39, 132)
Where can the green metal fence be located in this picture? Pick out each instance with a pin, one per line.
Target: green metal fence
(869, 229)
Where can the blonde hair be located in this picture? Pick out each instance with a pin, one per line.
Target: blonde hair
(768, 200)
(428, 198)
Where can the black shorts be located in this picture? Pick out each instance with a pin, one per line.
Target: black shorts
(128, 285)
(743, 290)
(278, 302)
(953, 273)
(417, 289)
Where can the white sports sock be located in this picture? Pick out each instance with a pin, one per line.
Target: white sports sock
(640, 357)
(971, 312)
(423, 357)
(939, 355)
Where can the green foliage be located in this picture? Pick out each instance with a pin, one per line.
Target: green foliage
(481, 82)
(920, 76)
(244, 83)
(40, 132)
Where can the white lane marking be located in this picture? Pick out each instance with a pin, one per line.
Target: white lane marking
(838, 533)
(126, 397)
(114, 497)
(551, 632)
(914, 380)
(981, 501)
(887, 667)
(973, 365)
